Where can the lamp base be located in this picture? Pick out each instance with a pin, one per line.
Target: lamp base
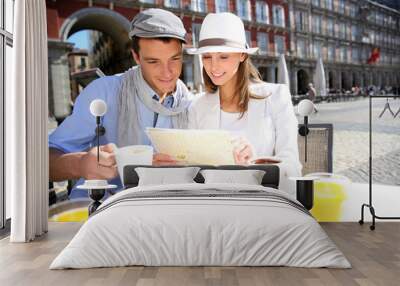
(96, 195)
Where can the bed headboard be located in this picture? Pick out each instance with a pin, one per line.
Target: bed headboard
(270, 179)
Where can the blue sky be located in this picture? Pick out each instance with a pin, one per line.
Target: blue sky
(80, 39)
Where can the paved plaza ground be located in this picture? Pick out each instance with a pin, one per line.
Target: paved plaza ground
(351, 140)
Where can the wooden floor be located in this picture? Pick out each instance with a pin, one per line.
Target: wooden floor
(374, 255)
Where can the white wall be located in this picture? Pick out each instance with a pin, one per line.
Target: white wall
(385, 199)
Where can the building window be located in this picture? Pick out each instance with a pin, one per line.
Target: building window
(342, 30)
(324, 52)
(248, 38)
(172, 3)
(353, 10)
(301, 21)
(379, 18)
(301, 48)
(355, 55)
(316, 3)
(364, 55)
(243, 9)
(343, 54)
(317, 49)
(392, 22)
(330, 27)
(262, 12)
(371, 36)
(199, 6)
(278, 15)
(195, 33)
(262, 42)
(148, 1)
(83, 63)
(342, 6)
(377, 38)
(279, 45)
(331, 53)
(366, 36)
(317, 24)
(371, 16)
(354, 33)
(348, 32)
(329, 4)
(221, 6)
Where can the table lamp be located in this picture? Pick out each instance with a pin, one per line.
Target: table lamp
(98, 108)
(97, 188)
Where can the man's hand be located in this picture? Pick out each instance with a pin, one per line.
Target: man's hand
(243, 151)
(160, 159)
(105, 169)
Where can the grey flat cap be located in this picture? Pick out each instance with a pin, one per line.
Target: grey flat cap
(157, 23)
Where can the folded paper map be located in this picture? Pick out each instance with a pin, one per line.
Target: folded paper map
(193, 146)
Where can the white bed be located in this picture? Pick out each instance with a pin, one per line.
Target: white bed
(201, 224)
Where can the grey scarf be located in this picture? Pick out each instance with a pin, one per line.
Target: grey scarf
(134, 89)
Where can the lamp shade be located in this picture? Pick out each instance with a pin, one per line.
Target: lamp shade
(305, 107)
(98, 107)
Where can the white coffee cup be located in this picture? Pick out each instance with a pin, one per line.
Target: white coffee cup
(133, 155)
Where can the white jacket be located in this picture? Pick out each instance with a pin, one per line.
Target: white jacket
(271, 125)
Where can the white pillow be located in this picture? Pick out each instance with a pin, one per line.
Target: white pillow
(248, 177)
(166, 176)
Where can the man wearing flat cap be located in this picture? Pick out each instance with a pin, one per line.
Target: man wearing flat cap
(147, 95)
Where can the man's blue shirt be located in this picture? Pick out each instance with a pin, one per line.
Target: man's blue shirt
(77, 132)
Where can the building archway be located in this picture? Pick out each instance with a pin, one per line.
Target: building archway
(393, 79)
(109, 34)
(346, 84)
(263, 73)
(109, 50)
(355, 80)
(375, 80)
(113, 52)
(387, 79)
(302, 81)
(364, 80)
(94, 18)
(331, 80)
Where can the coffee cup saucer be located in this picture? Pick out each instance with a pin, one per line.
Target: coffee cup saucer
(95, 185)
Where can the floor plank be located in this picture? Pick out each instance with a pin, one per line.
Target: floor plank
(374, 255)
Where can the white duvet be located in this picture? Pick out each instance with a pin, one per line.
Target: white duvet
(267, 229)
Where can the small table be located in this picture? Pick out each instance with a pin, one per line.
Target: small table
(305, 190)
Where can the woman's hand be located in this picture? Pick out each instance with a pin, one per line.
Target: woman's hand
(160, 159)
(242, 151)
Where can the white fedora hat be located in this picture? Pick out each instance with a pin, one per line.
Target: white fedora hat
(222, 33)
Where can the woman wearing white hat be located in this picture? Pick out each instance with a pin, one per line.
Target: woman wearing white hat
(237, 99)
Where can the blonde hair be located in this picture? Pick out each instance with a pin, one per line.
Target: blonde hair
(245, 75)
